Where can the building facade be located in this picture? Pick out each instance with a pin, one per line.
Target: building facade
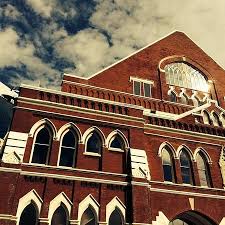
(140, 142)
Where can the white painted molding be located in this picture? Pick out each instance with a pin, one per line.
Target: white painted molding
(89, 201)
(187, 149)
(204, 152)
(60, 199)
(33, 197)
(116, 203)
(167, 144)
(161, 219)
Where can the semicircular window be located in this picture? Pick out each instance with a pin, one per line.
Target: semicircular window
(183, 75)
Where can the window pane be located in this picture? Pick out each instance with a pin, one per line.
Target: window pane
(117, 142)
(184, 159)
(147, 90)
(137, 88)
(67, 156)
(202, 170)
(69, 139)
(115, 218)
(40, 154)
(88, 218)
(94, 143)
(167, 169)
(59, 217)
(173, 97)
(43, 136)
(29, 215)
(185, 168)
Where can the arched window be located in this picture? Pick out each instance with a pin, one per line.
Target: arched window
(94, 143)
(116, 218)
(168, 165)
(29, 215)
(117, 143)
(68, 149)
(42, 146)
(60, 216)
(184, 99)
(222, 119)
(215, 118)
(186, 170)
(88, 217)
(206, 118)
(196, 101)
(172, 96)
(203, 171)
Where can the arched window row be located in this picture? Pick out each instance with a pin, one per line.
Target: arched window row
(213, 118)
(69, 136)
(185, 98)
(60, 213)
(186, 162)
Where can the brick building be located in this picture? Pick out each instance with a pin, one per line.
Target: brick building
(140, 142)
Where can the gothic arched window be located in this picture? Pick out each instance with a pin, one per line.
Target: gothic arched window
(116, 218)
(42, 146)
(68, 149)
(117, 142)
(60, 216)
(88, 217)
(94, 143)
(184, 98)
(168, 165)
(215, 119)
(206, 118)
(29, 215)
(203, 171)
(172, 96)
(186, 169)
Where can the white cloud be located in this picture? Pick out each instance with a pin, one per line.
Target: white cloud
(14, 55)
(42, 7)
(10, 11)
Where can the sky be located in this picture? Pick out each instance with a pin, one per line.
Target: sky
(42, 39)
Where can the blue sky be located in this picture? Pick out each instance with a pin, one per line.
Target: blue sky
(41, 39)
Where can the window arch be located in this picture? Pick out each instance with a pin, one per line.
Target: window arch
(184, 98)
(69, 143)
(168, 165)
(60, 216)
(116, 218)
(215, 119)
(88, 217)
(94, 143)
(222, 119)
(203, 170)
(195, 100)
(42, 145)
(29, 215)
(206, 117)
(186, 168)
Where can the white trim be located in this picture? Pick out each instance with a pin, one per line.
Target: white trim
(31, 196)
(66, 127)
(89, 201)
(172, 149)
(132, 78)
(111, 135)
(60, 199)
(39, 124)
(116, 204)
(92, 154)
(204, 152)
(187, 149)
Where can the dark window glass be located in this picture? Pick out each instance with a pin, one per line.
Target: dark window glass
(173, 97)
(88, 217)
(147, 90)
(68, 149)
(115, 218)
(41, 146)
(203, 170)
(185, 164)
(94, 143)
(59, 217)
(117, 142)
(167, 166)
(137, 88)
(29, 215)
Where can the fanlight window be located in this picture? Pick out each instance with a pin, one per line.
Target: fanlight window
(42, 146)
(88, 217)
(186, 170)
(168, 169)
(59, 217)
(116, 218)
(94, 143)
(117, 142)
(68, 149)
(203, 170)
(29, 215)
(182, 75)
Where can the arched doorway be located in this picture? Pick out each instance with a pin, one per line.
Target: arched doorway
(191, 218)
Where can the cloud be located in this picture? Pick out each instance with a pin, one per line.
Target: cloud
(42, 7)
(9, 11)
(15, 55)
